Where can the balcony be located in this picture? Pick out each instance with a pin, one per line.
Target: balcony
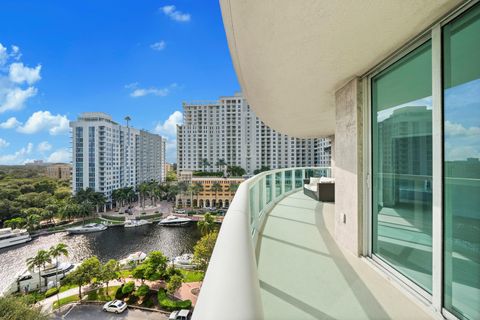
(276, 257)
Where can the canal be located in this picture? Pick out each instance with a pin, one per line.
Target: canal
(113, 243)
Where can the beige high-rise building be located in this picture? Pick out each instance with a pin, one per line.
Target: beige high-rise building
(60, 171)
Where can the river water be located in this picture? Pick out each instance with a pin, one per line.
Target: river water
(113, 243)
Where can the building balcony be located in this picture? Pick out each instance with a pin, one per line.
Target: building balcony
(276, 257)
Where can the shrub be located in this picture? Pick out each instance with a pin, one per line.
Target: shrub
(142, 290)
(119, 294)
(148, 303)
(191, 213)
(170, 305)
(143, 213)
(128, 288)
(50, 292)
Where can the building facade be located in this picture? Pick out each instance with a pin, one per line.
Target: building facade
(107, 156)
(229, 130)
(207, 197)
(59, 171)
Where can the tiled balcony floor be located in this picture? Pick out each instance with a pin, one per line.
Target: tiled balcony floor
(304, 274)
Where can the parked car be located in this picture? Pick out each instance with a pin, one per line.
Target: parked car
(180, 211)
(115, 306)
(183, 314)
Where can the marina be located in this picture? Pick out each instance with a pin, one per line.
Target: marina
(112, 243)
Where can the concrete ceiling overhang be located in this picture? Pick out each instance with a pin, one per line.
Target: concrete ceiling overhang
(291, 56)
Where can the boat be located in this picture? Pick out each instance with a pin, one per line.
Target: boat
(184, 261)
(133, 259)
(10, 237)
(29, 279)
(91, 227)
(130, 223)
(174, 221)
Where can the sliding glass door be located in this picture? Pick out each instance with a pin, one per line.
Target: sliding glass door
(461, 96)
(402, 166)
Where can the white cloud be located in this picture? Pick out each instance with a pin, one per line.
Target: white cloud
(18, 157)
(158, 46)
(3, 55)
(453, 129)
(44, 146)
(19, 73)
(44, 120)
(61, 155)
(174, 14)
(10, 123)
(141, 92)
(169, 129)
(15, 98)
(169, 126)
(4, 143)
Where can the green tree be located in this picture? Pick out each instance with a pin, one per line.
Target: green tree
(32, 221)
(155, 265)
(206, 225)
(141, 271)
(197, 189)
(39, 260)
(174, 284)
(56, 252)
(235, 171)
(203, 249)
(84, 274)
(128, 288)
(233, 187)
(109, 271)
(15, 223)
(142, 291)
(171, 176)
(16, 308)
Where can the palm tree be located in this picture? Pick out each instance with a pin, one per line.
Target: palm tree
(206, 225)
(56, 252)
(40, 260)
(205, 163)
(233, 187)
(143, 189)
(32, 221)
(215, 187)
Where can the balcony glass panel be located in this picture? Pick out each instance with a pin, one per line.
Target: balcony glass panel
(288, 181)
(402, 165)
(253, 203)
(268, 182)
(298, 179)
(278, 184)
(461, 96)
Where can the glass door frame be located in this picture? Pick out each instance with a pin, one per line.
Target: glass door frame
(433, 300)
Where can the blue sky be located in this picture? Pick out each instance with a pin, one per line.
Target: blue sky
(137, 58)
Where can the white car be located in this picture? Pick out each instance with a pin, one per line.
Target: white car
(180, 211)
(183, 314)
(115, 306)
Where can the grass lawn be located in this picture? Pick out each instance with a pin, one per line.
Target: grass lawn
(65, 301)
(101, 295)
(192, 275)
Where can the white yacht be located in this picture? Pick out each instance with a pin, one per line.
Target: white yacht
(185, 261)
(131, 223)
(133, 259)
(29, 280)
(9, 237)
(174, 221)
(91, 227)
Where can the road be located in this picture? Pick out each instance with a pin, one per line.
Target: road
(94, 312)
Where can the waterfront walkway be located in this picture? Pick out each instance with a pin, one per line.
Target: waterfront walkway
(320, 279)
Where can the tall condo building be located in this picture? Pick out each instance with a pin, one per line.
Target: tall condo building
(228, 129)
(108, 156)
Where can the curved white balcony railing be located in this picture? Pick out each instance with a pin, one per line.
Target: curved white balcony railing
(231, 289)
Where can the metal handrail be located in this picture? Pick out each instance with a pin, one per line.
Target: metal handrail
(231, 288)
